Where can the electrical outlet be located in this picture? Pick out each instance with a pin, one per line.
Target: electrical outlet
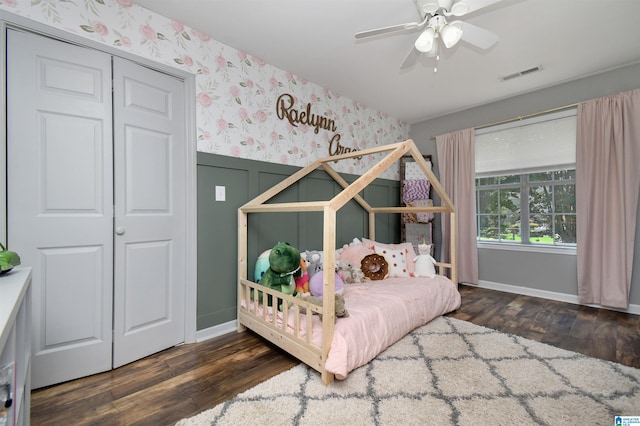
(221, 193)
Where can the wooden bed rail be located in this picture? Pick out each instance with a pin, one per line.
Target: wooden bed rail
(284, 323)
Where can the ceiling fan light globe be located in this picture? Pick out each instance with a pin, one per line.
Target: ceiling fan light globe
(429, 6)
(435, 50)
(450, 35)
(460, 8)
(424, 43)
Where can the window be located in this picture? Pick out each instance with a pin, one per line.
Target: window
(525, 182)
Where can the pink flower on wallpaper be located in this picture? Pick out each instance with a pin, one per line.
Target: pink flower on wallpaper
(148, 33)
(222, 125)
(204, 99)
(125, 3)
(242, 55)
(125, 41)
(206, 135)
(201, 36)
(243, 114)
(11, 3)
(274, 82)
(314, 98)
(258, 62)
(100, 28)
(284, 159)
(186, 59)
(235, 91)
(177, 26)
(261, 146)
(260, 115)
(250, 141)
(249, 84)
(274, 136)
(204, 70)
(294, 150)
(345, 110)
(235, 151)
(304, 128)
(289, 75)
(221, 61)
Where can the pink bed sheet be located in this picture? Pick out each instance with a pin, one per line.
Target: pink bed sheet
(381, 313)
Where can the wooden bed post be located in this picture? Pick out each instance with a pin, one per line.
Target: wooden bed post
(453, 255)
(328, 288)
(242, 261)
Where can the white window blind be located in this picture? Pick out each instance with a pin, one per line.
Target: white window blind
(540, 143)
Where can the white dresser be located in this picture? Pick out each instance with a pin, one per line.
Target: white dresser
(15, 347)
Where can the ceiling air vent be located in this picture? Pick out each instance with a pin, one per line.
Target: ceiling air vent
(520, 73)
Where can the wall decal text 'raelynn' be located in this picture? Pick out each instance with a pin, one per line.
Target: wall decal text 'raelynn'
(285, 109)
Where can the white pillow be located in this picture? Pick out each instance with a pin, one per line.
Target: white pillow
(397, 260)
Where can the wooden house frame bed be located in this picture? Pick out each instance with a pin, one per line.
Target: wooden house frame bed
(297, 339)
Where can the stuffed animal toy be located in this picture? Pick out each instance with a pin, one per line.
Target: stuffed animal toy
(314, 259)
(341, 310)
(262, 264)
(316, 285)
(284, 266)
(349, 273)
(424, 263)
(302, 282)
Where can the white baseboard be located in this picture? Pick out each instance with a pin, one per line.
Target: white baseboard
(216, 331)
(545, 294)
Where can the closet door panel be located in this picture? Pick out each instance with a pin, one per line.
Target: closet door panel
(59, 199)
(150, 278)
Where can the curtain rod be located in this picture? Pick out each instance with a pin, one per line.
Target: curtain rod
(522, 117)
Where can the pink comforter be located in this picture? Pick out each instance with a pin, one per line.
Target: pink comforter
(381, 313)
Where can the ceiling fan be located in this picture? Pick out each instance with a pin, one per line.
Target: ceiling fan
(438, 29)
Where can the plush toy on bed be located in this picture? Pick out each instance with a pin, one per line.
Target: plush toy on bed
(350, 273)
(284, 266)
(302, 282)
(316, 285)
(424, 263)
(341, 310)
(314, 261)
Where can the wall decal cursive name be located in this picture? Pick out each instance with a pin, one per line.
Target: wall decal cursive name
(286, 110)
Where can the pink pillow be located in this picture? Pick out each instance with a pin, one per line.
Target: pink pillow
(354, 253)
(407, 247)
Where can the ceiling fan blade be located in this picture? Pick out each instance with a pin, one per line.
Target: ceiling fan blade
(464, 7)
(411, 59)
(392, 28)
(477, 36)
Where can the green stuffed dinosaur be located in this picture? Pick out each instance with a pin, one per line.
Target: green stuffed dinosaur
(284, 266)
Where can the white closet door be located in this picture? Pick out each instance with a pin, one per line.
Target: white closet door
(149, 150)
(60, 199)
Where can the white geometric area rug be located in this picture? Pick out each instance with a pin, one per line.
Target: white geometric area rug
(446, 372)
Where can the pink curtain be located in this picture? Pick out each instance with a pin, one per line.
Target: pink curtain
(607, 188)
(456, 161)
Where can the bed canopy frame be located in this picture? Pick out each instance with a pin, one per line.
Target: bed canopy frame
(258, 320)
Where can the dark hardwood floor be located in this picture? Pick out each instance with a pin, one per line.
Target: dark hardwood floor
(185, 380)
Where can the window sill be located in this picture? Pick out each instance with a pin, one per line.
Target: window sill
(528, 247)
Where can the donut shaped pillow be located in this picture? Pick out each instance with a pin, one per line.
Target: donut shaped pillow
(374, 267)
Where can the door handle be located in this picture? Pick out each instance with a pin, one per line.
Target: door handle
(120, 230)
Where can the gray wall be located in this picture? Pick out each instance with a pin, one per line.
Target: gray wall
(245, 179)
(551, 272)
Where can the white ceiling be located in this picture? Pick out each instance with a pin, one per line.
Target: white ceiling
(314, 39)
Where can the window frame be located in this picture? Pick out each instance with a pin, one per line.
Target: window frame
(524, 186)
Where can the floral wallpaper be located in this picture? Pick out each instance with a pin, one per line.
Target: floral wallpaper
(236, 94)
